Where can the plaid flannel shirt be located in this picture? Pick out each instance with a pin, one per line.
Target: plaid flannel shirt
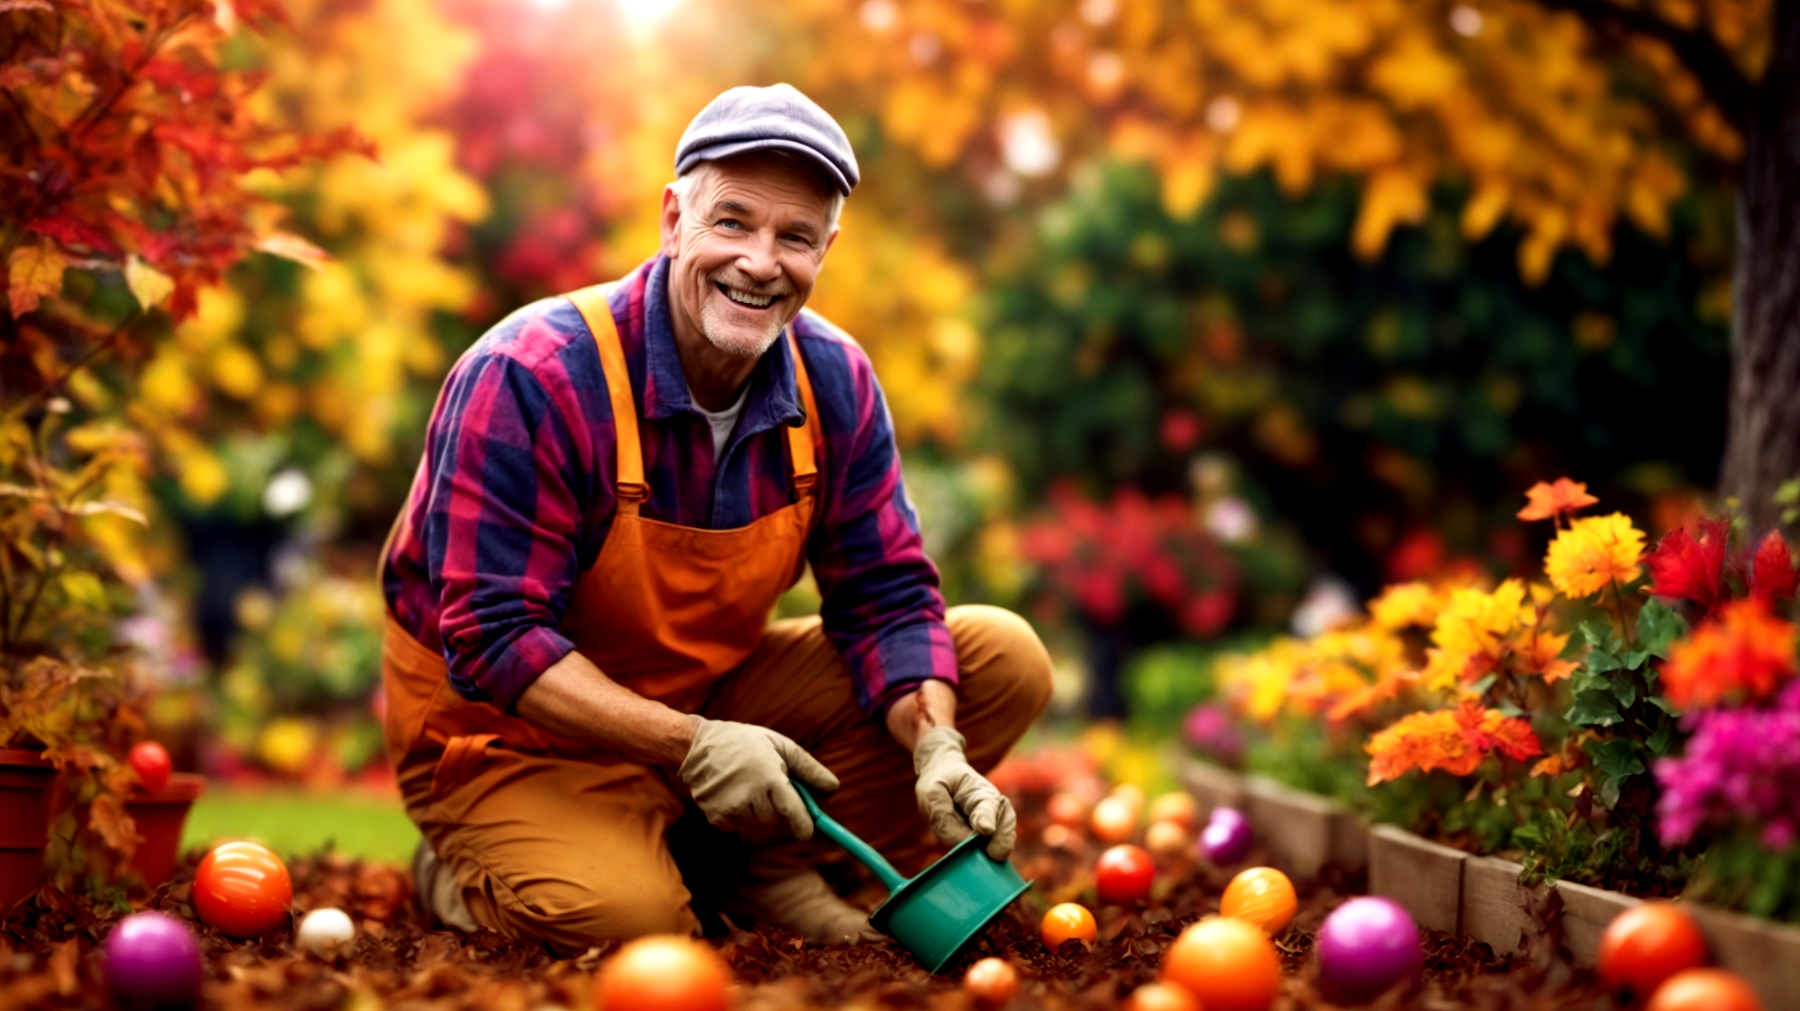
(514, 495)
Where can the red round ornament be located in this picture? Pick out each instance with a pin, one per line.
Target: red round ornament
(242, 889)
(1124, 875)
(150, 761)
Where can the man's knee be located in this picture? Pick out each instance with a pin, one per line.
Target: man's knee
(572, 916)
(1004, 656)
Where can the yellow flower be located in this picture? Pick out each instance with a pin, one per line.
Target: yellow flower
(1593, 552)
(1406, 604)
(1258, 683)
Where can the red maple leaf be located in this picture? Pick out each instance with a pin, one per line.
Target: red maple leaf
(1691, 569)
(73, 233)
(1772, 574)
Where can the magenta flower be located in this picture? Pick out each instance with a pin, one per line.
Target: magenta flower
(1741, 770)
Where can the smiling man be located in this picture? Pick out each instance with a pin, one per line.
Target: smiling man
(591, 716)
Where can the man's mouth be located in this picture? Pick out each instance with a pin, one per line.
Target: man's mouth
(746, 299)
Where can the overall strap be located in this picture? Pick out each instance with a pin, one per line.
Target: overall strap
(801, 461)
(630, 486)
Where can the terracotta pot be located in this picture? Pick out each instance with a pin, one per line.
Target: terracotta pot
(1211, 785)
(160, 817)
(1765, 953)
(1422, 876)
(25, 781)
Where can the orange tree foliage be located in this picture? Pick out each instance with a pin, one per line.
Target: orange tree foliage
(1506, 94)
(323, 366)
(125, 148)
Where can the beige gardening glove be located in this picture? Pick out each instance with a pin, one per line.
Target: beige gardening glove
(956, 799)
(738, 774)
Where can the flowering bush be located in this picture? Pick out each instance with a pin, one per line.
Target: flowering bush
(1449, 681)
(1105, 559)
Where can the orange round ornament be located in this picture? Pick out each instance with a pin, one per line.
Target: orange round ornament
(1113, 821)
(1066, 921)
(1178, 808)
(1228, 965)
(1647, 944)
(1161, 997)
(1263, 896)
(664, 973)
(991, 981)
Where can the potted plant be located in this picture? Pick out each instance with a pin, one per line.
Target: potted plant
(66, 711)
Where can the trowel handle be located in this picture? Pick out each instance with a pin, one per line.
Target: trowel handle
(848, 840)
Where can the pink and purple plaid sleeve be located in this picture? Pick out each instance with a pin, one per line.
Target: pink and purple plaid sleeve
(503, 519)
(881, 604)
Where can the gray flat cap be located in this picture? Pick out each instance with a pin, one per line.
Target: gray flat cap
(747, 119)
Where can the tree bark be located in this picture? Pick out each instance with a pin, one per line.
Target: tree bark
(1762, 443)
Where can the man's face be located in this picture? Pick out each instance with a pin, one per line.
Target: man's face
(745, 246)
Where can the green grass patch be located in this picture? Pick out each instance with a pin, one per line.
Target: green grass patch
(295, 823)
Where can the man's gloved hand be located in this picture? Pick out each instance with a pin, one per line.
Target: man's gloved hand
(738, 774)
(954, 798)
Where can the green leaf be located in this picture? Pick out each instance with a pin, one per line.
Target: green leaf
(1658, 626)
(1600, 636)
(1595, 709)
(1609, 794)
(1633, 660)
(1659, 742)
(1620, 758)
(1625, 689)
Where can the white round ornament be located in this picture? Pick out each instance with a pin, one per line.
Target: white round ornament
(324, 929)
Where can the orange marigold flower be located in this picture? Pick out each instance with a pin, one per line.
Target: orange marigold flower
(1552, 766)
(1742, 652)
(1547, 500)
(1454, 740)
(1593, 552)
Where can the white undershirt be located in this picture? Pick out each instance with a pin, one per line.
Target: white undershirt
(722, 422)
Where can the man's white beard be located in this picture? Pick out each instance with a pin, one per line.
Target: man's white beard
(736, 341)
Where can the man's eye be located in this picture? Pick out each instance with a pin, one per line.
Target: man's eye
(730, 223)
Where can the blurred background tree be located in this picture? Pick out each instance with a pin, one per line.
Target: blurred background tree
(1323, 280)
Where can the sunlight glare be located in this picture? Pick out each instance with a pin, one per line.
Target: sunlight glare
(644, 13)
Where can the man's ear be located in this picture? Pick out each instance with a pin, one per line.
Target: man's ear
(830, 240)
(671, 219)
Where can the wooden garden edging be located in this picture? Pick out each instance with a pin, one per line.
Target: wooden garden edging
(1479, 897)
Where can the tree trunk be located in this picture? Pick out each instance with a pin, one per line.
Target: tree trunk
(1762, 444)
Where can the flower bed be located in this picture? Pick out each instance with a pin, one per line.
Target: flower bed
(1626, 719)
(397, 960)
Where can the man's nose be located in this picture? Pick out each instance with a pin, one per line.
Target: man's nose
(757, 258)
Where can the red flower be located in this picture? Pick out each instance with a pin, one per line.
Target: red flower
(1772, 574)
(1691, 569)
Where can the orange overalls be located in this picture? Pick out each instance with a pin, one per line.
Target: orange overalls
(557, 840)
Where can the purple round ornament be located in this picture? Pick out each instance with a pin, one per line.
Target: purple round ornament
(153, 962)
(1226, 838)
(1365, 946)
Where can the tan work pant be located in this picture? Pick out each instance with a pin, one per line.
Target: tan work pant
(573, 852)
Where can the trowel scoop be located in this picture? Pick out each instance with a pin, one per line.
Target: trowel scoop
(936, 913)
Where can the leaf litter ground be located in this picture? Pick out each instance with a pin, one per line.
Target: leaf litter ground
(49, 952)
